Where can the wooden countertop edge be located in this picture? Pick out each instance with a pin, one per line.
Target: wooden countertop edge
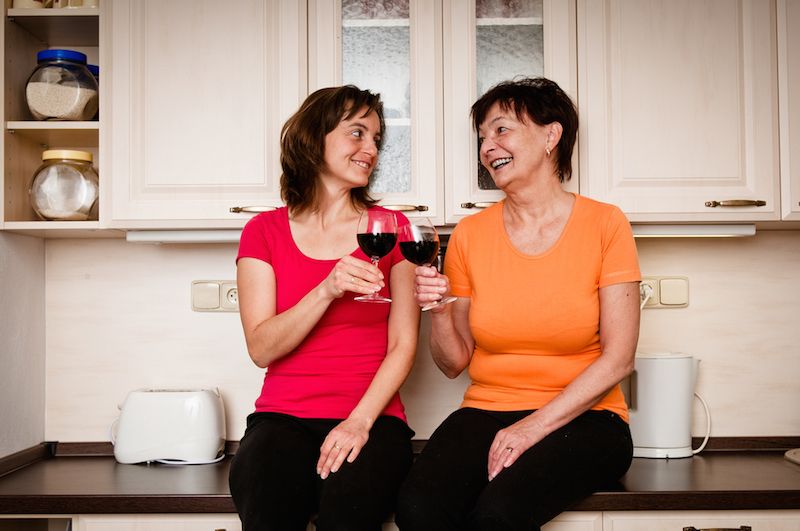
(151, 504)
(690, 501)
(601, 501)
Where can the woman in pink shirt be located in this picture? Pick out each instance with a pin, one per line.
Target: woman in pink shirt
(329, 434)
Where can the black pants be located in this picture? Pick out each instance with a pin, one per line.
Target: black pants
(448, 486)
(275, 486)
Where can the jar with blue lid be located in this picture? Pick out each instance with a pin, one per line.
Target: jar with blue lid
(61, 87)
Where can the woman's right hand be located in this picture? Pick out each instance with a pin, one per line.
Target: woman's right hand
(430, 286)
(352, 274)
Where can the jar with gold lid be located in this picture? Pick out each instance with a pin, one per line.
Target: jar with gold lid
(65, 187)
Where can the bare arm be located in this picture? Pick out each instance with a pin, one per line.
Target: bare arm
(270, 336)
(619, 333)
(451, 339)
(347, 439)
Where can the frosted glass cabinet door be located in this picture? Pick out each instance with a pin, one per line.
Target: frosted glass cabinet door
(679, 108)
(393, 48)
(486, 42)
(200, 91)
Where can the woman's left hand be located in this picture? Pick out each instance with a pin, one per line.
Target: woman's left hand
(345, 441)
(510, 443)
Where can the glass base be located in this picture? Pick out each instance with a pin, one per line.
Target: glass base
(436, 304)
(374, 297)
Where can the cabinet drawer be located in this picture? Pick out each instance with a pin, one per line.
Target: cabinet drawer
(677, 520)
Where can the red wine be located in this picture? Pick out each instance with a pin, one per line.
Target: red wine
(377, 244)
(421, 253)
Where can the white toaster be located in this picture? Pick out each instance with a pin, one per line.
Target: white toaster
(182, 426)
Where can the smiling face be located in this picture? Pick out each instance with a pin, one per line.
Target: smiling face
(351, 150)
(513, 150)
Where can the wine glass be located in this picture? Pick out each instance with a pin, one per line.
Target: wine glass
(377, 234)
(419, 243)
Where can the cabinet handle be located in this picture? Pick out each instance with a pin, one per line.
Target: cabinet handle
(407, 208)
(251, 209)
(742, 528)
(484, 204)
(736, 203)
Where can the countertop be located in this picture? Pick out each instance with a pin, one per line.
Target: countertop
(98, 484)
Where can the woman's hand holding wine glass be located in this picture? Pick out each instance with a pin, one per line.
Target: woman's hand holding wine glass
(419, 243)
(354, 275)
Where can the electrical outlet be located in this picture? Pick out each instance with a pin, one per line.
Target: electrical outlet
(215, 296)
(665, 291)
(648, 290)
(229, 297)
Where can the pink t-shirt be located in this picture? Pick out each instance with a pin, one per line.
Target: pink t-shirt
(330, 370)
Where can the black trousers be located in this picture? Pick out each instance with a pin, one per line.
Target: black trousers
(448, 486)
(275, 486)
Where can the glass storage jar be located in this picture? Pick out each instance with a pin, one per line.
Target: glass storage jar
(65, 186)
(61, 87)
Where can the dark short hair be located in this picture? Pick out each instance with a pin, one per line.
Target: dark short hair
(303, 142)
(542, 101)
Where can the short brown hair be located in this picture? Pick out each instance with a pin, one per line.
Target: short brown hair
(542, 101)
(303, 142)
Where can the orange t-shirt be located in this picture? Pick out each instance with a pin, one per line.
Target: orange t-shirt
(535, 319)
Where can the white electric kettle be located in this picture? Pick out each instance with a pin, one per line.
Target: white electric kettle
(660, 398)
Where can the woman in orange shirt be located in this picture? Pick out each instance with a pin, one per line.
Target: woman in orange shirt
(546, 321)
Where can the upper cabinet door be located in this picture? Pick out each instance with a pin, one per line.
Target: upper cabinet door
(200, 91)
(678, 108)
(486, 42)
(392, 48)
(789, 76)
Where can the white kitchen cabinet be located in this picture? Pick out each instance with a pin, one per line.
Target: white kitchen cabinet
(678, 108)
(200, 90)
(161, 522)
(677, 520)
(789, 76)
(576, 521)
(394, 49)
(25, 32)
(486, 42)
(430, 60)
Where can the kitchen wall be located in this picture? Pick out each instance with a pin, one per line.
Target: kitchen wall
(119, 318)
(22, 342)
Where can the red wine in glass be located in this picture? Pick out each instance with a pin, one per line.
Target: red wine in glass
(419, 244)
(376, 236)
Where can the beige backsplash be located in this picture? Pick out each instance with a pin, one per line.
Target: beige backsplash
(119, 318)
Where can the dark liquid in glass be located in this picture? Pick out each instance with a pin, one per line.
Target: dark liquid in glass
(376, 244)
(421, 253)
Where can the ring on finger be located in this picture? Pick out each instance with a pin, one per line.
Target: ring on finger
(337, 446)
(509, 449)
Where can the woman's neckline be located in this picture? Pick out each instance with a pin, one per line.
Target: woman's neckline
(297, 248)
(556, 243)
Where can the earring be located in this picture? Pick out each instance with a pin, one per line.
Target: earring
(547, 150)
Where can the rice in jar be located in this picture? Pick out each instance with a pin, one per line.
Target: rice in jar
(61, 87)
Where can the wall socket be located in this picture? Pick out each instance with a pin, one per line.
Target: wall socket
(665, 291)
(215, 296)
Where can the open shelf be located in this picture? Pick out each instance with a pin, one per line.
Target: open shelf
(68, 26)
(28, 31)
(56, 134)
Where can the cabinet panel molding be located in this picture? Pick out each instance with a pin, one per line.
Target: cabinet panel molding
(199, 97)
(789, 76)
(679, 107)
